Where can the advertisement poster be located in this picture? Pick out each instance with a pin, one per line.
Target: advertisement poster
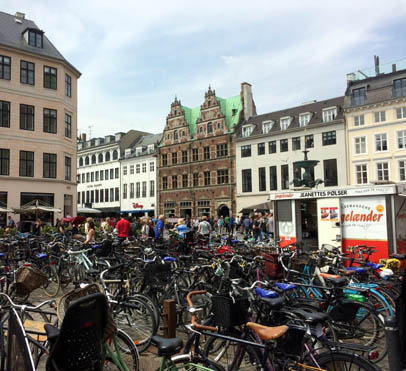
(363, 221)
(329, 214)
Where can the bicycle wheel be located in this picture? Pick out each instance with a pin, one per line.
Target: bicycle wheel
(152, 304)
(52, 285)
(124, 348)
(337, 361)
(185, 363)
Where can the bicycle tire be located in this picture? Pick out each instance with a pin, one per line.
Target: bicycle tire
(338, 361)
(152, 304)
(185, 363)
(53, 284)
(128, 353)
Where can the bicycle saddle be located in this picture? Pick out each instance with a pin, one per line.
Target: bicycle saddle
(167, 347)
(310, 317)
(334, 279)
(273, 302)
(268, 333)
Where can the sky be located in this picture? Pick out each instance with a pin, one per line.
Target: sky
(136, 56)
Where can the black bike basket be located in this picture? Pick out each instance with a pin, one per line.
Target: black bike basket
(157, 274)
(228, 313)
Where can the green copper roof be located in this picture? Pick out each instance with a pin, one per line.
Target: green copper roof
(230, 108)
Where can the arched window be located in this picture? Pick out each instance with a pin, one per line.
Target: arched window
(201, 129)
(100, 157)
(107, 156)
(87, 160)
(93, 159)
(115, 155)
(81, 161)
(209, 127)
(175, 135)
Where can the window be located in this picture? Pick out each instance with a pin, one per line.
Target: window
(111, 173)
(246, 180)
(4, 114)
(151, 188)
(4, 161)
(68, 128)
(246, 150)
(184, 180)
(50, 77)
(101, 195)
(222, 150)
(222, 176)
(201, 129)
(26, 163)
(401, 113)
(117, 193)
(273, 178)
(107, 157)
(68, 168)
(87, 160)
(131, 190)
(309, 141)
(209, 128)
(195, 154)
(262, 179)
(206, 176)
(382, 171)
(137, 190)
(93, 159)
(247, 130)
(184, 157)
(361, 172)
(144, 167)
(68, 85)
(131, 169)
(304, 119)
(96, 195)
(81, 161)
(285, 121)
(206, 153)
(92, 196)
(195, 179)
(401, 139)
(101, 175)
(174, 181)
(5, 67)
(297, 172)
(125, 170)
(272, 146)
(115, 155)
(50, 121)
(296, 143)
(78, 198)
(137, 168)
(92, 176)
(329, 114)
(358, 97)
(360, 145)
(402, 170)
(174, 158)
(329, 138)
(96, 176)
(164, 159)
(106, 174)
(359, 120)
(285, 176)
(83, 178)
(266, 127)
(261, 149)
(35, 38)
(381, 142)
(380, 116)
(284, 147)
(27, 73)
(330, 172)
(116, 172)
(399, 88)
(144, 189)
(49, 165)
(175, 135)
(106, 195)
(26, 117)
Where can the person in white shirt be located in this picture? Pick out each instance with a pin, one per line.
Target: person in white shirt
(204, 227)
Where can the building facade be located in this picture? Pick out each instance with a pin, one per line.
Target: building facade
(197, 156)
(268, 145)
(139, 177)
(98, 174)
(38, 120)
(375, 109)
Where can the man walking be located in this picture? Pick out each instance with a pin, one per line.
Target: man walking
(123, 227)
(159, 228)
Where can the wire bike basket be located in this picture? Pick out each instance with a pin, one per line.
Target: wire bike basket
(28, 279)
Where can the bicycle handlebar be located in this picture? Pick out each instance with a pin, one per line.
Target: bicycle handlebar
(194, 323)
(22, 306)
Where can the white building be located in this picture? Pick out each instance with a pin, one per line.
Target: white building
(98, 171)
(267, 146)
(139, 177)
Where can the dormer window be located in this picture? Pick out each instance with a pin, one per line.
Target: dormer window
(34, 37)
(329, 114)
(247, 130)
(285, 122)
(267, 126)
(304, 119)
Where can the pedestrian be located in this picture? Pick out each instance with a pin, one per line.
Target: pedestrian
(60, 227)
(226, 224)
(37, 228)
(237, 224)
(122, 227)
(11, 223)
(90, 233)
(204, 227)
(246, 224)
(145, 228)
(257, 227)
(270, 225)
(159, 228)
(231, 223)
(220, 224)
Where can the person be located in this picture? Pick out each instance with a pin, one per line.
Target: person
(105, 226)
(11, 223)
(37, 228)
(246, 225)
(60, 227)
(145, 227)
(270, 225)
(181, 227)
(75, 229)
(226, 223)
(123, 227)
(90, 233)
(88, 220)
(257, 227)
(204, 227)
(231, 223)
(159, 228)
(237, 224)
(220, 224)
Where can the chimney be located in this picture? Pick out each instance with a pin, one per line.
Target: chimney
(83, 137)
(19, 17)
(247, 100)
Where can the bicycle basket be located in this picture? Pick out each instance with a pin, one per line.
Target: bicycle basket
(228, 313)
(29, 279)
(346, 311)
(157, 274)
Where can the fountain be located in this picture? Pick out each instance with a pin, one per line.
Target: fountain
(307, 179)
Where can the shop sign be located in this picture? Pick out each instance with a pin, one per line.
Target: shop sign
(136, 205)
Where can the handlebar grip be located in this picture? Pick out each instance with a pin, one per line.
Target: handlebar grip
(194, 323)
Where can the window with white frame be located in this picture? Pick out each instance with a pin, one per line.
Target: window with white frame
(247, 130)
(401, 113)
(137, 168)
(380, 116)
(360, 145)
(131, 169)
(381, 142)
(359, 120)
(329, 114)
(267, 126)
(125, 170)
(144, 167)
(304, 119)
(402, 170)
(361, 172)
(382, 171)
(285, 122)
(151, 167)
(401, 139)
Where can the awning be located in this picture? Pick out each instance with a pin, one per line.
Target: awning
(136, 211)
(35, 206)
(5, 210)
(262, 206)
(87, 210)
(74, 220)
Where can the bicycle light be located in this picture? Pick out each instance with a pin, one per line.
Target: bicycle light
(373, 355)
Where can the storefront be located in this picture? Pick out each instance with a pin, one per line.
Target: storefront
(370, 215)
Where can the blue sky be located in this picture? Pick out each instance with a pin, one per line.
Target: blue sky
(135, 56)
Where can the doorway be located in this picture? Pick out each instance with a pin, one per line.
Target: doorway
(223, 211)
(308, 219)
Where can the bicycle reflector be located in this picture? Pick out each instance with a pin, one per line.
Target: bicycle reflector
(373, 355)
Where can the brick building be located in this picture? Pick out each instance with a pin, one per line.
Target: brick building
(197, 155)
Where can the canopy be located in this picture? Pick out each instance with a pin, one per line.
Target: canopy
(34, 206)
(87, 210)
(74, 220)
(262, 206)
(5, 210)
